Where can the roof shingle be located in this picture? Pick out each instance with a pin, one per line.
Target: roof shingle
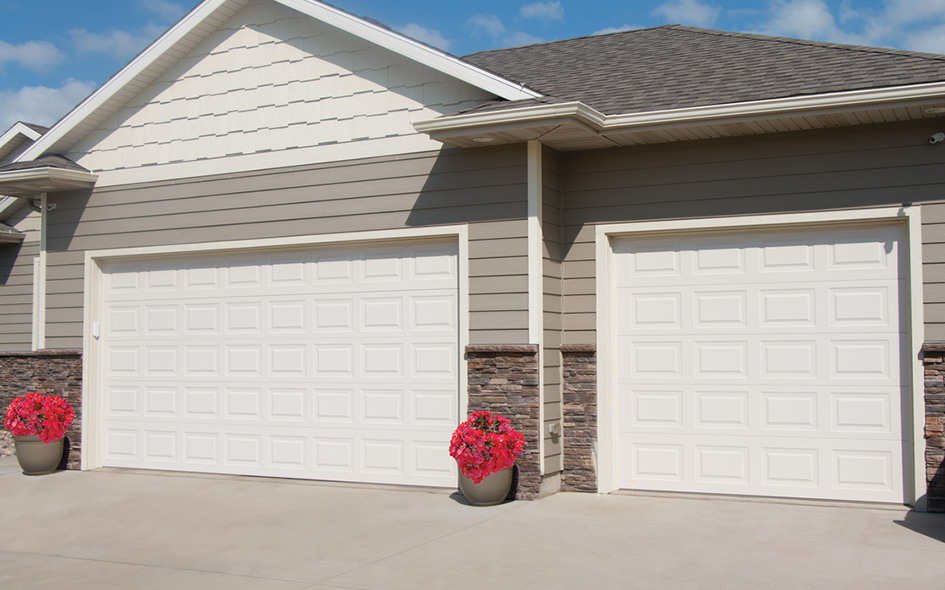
(673, 66)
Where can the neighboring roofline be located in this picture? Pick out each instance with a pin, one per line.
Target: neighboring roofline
(390, 40)
(578, 111)
(19, 128)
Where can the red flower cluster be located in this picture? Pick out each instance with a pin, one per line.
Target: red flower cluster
(485, 444)
(45, 415)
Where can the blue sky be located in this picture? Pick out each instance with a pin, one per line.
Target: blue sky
(53, 53)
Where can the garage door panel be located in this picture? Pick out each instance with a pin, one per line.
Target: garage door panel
(337, 361)
(762, 362)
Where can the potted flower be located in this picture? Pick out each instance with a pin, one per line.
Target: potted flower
(38, 424)
(485, 447)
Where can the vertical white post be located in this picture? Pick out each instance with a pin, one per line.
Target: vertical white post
(535, 286)
(39, 289)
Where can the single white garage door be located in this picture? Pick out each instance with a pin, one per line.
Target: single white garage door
(762, 362)
(334, 363)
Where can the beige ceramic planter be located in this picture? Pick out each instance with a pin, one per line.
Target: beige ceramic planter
(35, 456)
(490, 491)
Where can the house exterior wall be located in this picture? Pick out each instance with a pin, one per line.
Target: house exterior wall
(268, 80)
(485, 188)
(551, 311)
(869, 166)
(16, 284)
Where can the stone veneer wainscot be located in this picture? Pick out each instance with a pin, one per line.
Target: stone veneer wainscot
(579, 392)
(48, 372)
(503, 379)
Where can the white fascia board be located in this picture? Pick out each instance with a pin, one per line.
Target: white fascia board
(19, 129)
(414, 50)
(388, 39)
(531, 114)
(47, 174)
(856, 99)
(105, 92)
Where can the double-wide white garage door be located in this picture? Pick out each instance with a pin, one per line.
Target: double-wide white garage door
(335, 363)
(762, 362)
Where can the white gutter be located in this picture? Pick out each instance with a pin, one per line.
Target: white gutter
(855, 99)
(47, 174)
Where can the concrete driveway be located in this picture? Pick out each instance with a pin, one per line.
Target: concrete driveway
(142, 530)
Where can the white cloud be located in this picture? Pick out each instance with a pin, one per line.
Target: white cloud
(619, 29)
(688, 12)
(428, 36)
(807, 19)
(488, 24)
(930, 40)
(118, 44)
(518, 38)
(168, 11)
(908, 11)
(41, 105)
(546, 11)
(38, 56)
(491, 25)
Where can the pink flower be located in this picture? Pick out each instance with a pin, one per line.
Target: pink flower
(485, 444)
(48, 416)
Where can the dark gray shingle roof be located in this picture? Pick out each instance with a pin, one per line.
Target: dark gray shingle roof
(674, 66)
(37, 128)
(46, 161)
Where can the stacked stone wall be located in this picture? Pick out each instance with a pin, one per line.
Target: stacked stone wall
(579, 391)
(47, 372)
(934, 361)
(503, 379)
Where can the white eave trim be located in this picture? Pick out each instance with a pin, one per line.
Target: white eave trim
(388, 39)
(851, 100)
(19, 129)
(47, 174)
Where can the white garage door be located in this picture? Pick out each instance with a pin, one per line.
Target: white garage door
(762, 362)
(325, 363)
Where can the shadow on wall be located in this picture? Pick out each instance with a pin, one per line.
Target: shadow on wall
(8, 256)
(62, 223)
(473, 185)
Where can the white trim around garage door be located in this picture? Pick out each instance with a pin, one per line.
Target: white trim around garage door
(909, 216)
(94, 260)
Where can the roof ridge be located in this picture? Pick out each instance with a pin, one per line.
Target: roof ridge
(797, 41)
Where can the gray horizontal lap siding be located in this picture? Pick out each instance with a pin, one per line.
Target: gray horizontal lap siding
(485, 188)
(871, 166)
(16, 296)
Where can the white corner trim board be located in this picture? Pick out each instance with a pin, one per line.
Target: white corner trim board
(834, 472)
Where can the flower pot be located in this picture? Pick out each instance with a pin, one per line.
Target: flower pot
(35, 456)
(490, 491)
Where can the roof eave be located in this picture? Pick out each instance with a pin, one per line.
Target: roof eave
(11, 237)
(34, 181)
(583, 122)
